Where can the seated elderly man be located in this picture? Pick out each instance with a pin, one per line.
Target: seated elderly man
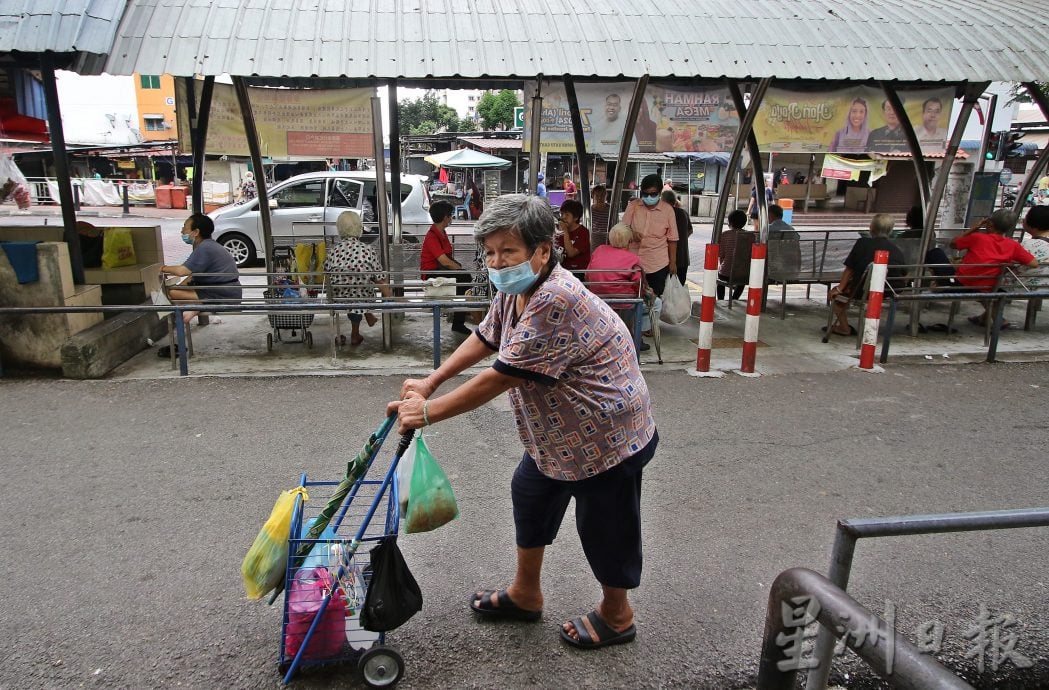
(780, 229)
(860, 257)
(985, 243)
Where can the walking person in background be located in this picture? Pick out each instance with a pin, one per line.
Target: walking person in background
(247, 191)
(655, 230)
(540, 188)
(684, 231)
(599, 211)
(770, 198)
(570, 189)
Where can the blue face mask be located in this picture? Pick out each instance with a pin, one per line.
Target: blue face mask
(650, 200)
(187, 239)
(513, 280)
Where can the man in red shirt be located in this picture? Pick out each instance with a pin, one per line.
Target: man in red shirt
(437, 254)
(986, 243)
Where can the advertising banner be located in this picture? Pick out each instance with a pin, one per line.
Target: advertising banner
(838, 168)
(318, 123)
(670, 119)
(852, 120)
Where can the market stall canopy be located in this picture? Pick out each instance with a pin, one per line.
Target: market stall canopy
(721, 159)
(466, 158)
(895, 40)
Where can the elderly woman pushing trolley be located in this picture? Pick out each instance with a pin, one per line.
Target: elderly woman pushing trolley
(582, 410)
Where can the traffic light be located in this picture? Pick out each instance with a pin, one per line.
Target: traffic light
(994, 146)
(1011, 145)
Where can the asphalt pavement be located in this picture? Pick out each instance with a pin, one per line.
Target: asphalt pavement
(129, 504)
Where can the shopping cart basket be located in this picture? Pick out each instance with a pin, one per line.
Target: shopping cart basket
(287, 320)
(327, 578)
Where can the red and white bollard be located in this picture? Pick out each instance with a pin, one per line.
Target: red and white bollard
(875, 294)
(750, 326)
(706, 313)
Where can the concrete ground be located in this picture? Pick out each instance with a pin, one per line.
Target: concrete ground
(131, 501)
(129, 504)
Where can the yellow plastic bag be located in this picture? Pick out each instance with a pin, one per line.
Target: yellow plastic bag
(309, 258)
(267, 560)
(117, 248)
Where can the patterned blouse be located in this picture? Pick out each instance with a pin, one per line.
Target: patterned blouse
(584, 406)
(352, 256)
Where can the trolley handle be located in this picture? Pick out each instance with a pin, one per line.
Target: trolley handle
(406, 440)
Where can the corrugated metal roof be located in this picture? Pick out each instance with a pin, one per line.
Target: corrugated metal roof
(85, 27)
(906, 40)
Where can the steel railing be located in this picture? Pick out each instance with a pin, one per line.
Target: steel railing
(800, 596)
(850, 531)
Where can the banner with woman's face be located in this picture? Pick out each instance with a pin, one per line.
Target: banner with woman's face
(858, 119)
(704, 119)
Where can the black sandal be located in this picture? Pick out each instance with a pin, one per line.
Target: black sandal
(603, 635)
(505, 609)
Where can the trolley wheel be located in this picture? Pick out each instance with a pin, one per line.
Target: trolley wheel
(309, 340)
(381, 667)
(269, 342)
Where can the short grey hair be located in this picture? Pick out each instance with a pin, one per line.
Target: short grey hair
(349, 225)
(527, 217)
(881, 225)
(1004, 221)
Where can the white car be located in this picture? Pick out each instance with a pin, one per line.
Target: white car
(300, 203)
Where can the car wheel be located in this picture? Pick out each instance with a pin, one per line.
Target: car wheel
(240, 248)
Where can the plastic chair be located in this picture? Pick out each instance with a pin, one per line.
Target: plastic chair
(464, 207)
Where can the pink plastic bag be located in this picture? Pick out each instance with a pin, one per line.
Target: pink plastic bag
(307, 591)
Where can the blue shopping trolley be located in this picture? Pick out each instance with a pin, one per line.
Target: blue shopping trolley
(329, 570)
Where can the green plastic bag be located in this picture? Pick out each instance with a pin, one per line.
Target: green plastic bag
(431, 502)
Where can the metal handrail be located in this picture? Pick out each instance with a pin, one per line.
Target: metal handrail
(849, 531)
(889, 655)
(176, 311)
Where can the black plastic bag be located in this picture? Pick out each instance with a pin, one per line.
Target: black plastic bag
(393, 595)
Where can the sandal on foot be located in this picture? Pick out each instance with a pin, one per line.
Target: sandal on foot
(165, 352)
(977, 321)
(506, 608)
(595, 633)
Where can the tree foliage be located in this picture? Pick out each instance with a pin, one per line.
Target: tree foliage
(427, 115)
(1018, 93)
(497, 109)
